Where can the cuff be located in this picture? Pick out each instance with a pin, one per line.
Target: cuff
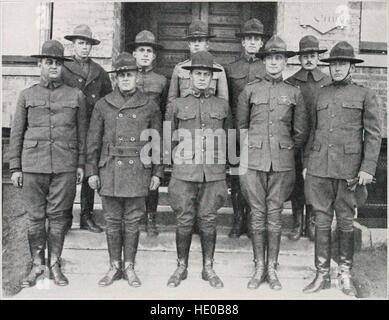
(158, 171)
(91, 170)
(15, 164)
(368, 166)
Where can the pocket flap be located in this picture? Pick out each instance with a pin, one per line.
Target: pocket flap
(255, 145)
(260, 100)
(102, 162)
(36, 103)
(30, 143)
(186, 115)
(284, 100)
(72, 144)
(286, 145)
(147, 166)
(353, 104)
(218, 115)
(70, 104)
(352, 148)
(238, 76)
(316, 146)
(322, 106)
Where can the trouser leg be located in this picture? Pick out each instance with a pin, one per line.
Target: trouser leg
(87, 199)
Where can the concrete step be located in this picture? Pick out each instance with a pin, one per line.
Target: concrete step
(86, 267)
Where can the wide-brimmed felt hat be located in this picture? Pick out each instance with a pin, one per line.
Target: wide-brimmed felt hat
(82, 32)
(309, 44)
(342, 51)
(124, 62)
(198, 29)
(52, 49)
(251, 27)
(202, 60)
(273, 46)
(145, 38)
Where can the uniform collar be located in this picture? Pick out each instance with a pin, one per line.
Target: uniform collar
(272, 80)
(86, 61)
(50, 84)
(145, 69)
(199, 93)
(76, 68)
(127, 95)
(346, 81)
(302, 75)
(249, 58)
(116, 99)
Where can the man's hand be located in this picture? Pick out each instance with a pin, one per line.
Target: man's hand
(154, 183)
(304, 173)
(17, 179)
(94, 182)
(80, 175)
(365, 178)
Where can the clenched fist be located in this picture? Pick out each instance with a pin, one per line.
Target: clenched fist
(17, 179)
(94, 182)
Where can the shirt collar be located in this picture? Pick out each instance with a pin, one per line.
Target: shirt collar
(145, 69)
(126, 95)
(81, 62)
(249, 58)
(50, 84)
(267, 77)
(200, 93)
(302, 75)
(344, 82)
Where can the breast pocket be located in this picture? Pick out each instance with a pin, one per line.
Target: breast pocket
(186, 119)
(38, 113)
(352, 111)
(285, 108)
(68, 111)
(217, 118)
(259, 109)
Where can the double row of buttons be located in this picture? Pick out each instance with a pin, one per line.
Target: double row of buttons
(131, 139)
(120, 162)
(133, 115)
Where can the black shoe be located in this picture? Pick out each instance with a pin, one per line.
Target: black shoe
(31, 278)
(87, 223)
(208, 274)
(322, 281)
(346, 254)
(114, 273)
(57, 275)
(346, 284)
(130, 275)
(259, 243)
(272, 277)
(180, 274)
(273, 249)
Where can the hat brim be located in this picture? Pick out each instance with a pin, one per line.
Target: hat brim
(122, 69)
(40, 56)
(134, 45)
(195, 36)
(251, 33)
(213, 69)
(319, 51)
(75, 36)
(342, 58)
(263, 54)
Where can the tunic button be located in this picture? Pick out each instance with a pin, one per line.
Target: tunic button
(51, 127)
(131, 161)
(132, 139)
(203, 124)
(270, 122)
(330, 145)
(51, 140)
(120, 115)
(80, 80)
(332, 115)
(331, 130)
(120, 138)
(134, 116)
(52, 113)
(93, 96)
(270, 135)
(119, 163)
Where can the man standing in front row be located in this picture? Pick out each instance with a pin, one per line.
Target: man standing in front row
(309, 79)
(274, 114)
(242, 71)
(197, 187)
(155, 86)
(47, 159)
(116, 169)
(342, 158)
(88, 76)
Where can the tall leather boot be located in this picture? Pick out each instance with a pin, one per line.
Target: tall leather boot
(36, 243)
(55, 240)
(87, 223)
(239, 215)
(309, 223)
(322, 279)
(258, 240)
(298, 216)
(183, 242)
(346, 253)
(151, 211)
(69, 219)
(208, 243)
(273, 249)
(130, 247)
(86, 218)
(114, 242)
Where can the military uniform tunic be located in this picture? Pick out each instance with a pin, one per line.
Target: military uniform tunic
(345, 140)
(180, 82)
(198, 170)
(274, 114)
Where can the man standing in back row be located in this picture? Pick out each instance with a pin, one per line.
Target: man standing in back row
(309, 79)
(94, 82)
(240, 72)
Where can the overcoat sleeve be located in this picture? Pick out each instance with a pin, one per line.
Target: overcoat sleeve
(82, 127)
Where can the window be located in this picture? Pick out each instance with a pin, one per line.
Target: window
(19, 41)
(373, 36)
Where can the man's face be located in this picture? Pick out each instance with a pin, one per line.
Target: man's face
(275, 64)
(126, 80)
(198, 44)
(51, 68)
(340, 69)
(309, 61)
(252, 44)
(144, 56)
(82, 48)
(201, 79)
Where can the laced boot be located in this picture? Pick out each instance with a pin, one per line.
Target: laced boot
(130, 275)
(258, 241)
(183, 242)
(273, 246)
(208, 242)
(130, 247)
(114, 273)
(298, 216)
(322, 279)
(346, 253)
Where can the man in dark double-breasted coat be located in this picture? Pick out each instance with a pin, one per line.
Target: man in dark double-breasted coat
(119, 167)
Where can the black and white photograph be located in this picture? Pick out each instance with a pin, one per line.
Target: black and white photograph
(208, 151)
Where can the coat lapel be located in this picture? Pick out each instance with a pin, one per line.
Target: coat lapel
(137, 100)
(74, 67)
(115, 98)
(94, 72)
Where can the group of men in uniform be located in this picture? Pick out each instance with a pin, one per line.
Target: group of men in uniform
(73, 127)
